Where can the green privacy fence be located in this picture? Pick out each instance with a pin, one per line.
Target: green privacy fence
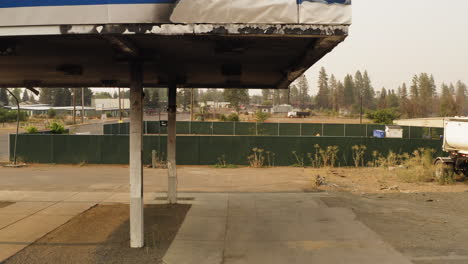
(201, 150)
(273, 129)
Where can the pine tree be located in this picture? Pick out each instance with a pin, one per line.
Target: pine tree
(405, 104)
(32, 99)
(266, 96)
(333, 98)
(155, 100)
(404, 92)
(237, 97)
(340, 95)
(382, 103)
(392, 99)
(25, 97)
(196, 96)
(368, 93)
(426, 93)
(88, 95)
(416, 111)
(284, 96)
(61, 97)
(276, 97)
(294, 96)
(349, 90)
(184, 97)
(452, 88)
(46, 96)
(461, 98)
(3, 96)
(448, 105)
(358, 87)
(323, 91)
(17, 93)
(303, 86)
(414, 90)
(147, 98)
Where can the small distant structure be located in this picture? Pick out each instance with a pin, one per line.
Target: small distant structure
(282, 109)
(110, 105)
(43, 109)
(393, 132)
(344, 112)
(421, 122)
(104, 104)
(265, 108)
(216, 105)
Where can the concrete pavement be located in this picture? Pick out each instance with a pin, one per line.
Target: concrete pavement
(93, 178)
(3, 147)
(224, 228)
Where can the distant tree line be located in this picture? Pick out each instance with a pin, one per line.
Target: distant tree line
(22, 95)
(418, 99)
(64, 96)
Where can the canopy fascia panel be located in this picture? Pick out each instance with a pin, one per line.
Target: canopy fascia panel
(261, 56)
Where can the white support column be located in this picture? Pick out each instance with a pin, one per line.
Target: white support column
(136, 150)
(171, 144)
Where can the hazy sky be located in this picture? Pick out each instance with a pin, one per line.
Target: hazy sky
(394, 39)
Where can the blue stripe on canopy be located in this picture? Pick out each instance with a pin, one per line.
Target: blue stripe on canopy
(35, 3)
(344, 2)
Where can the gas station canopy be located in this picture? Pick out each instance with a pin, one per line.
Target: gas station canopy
(200, 44)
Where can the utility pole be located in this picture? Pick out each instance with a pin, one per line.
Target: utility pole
(120, 105)
(82, 105)
(74, 106)
(360, 114)
(191, 105)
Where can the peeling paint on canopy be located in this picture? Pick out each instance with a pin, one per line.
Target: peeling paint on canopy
(181, 29)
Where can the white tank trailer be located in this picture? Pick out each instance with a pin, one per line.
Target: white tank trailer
(456, 144)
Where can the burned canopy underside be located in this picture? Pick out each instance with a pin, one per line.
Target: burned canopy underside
(195, 55)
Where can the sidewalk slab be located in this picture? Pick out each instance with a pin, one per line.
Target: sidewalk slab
(8, 219)
(47, 196)
(95, 197)
(22, 233)
(25, 208)
(66, 208)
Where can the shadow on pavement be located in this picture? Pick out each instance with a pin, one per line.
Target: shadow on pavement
(101, 235)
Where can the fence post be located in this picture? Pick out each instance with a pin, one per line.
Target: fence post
(366, 132)
(323, 130)
(146, 127)
(278, 128)
(409, 132)
(153, 159)
(344, 130)
(256, 128)
(300, 129)
(234, 128)
(212, 128)
(190, 127)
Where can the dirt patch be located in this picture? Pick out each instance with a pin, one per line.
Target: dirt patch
(5, 204)
(427, 227)
(377, 180)
(101, 235)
